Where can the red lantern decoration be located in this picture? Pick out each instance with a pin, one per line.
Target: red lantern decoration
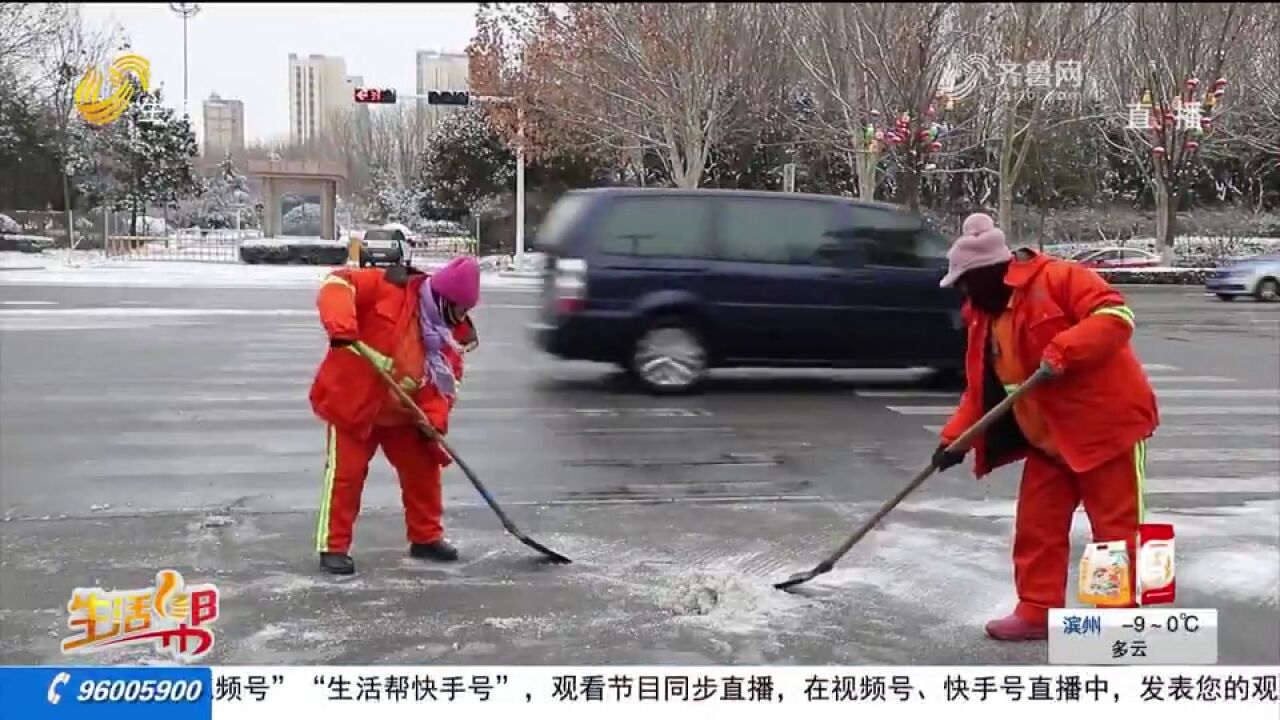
(935, 146)
(1190, 146)
(1219, 84)
(923, 135)
(932, 111)
(1157, 151)
(1192, 83)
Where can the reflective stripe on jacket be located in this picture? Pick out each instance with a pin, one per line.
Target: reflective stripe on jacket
(1101, 404)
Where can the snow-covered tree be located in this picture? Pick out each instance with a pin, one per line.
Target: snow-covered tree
(468, 163)
(151, 152)
(394, 200)
(226, 197)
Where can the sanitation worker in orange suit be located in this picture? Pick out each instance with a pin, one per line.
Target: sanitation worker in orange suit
(1082, 433)
(417, 327)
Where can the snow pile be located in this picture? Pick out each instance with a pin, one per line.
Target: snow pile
(727, 602)
(1190, 251)
(92, 269)
(9, 226)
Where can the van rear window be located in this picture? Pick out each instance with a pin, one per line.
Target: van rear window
(674, 227)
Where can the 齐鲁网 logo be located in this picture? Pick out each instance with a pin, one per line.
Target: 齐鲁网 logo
(172, 615)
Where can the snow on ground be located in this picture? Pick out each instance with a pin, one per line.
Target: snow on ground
(94, 270)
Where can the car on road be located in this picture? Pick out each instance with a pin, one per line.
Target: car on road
(1258, 277)
(1117, 257)
(670, 284)
(383, 246)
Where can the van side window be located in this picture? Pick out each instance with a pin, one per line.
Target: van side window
(890, 239)
(672, 227)
(783, 231)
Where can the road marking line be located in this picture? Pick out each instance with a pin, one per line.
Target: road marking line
(1175, 411)
(1214, 455)
(1156, 367)
(644, 430)
(157, 312)
(1190, 431)
(28, 302)
(1157, 380)
(1214, 393)
(906, 394)
(1212, 485)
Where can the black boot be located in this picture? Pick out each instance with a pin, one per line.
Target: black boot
(439, 551)
(337, 563)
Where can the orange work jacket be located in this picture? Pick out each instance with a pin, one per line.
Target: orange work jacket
(1101, 403)
(379, 308)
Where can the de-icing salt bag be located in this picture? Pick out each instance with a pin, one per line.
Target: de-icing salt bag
(1155, 566)
(1104, 574)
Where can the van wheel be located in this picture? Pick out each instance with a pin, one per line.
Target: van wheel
(669, 358)
(1268, 290)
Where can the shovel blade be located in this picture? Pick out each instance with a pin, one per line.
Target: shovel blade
(551, 554)
(797, 579)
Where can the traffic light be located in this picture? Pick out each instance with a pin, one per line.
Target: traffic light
(445, 97)
(382, 96)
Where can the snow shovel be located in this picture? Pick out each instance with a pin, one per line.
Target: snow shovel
(425, 426)
(961, 442)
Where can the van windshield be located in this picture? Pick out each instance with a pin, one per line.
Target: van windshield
(556, 225)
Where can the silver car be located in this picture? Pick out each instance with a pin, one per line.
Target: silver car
(1259, 277)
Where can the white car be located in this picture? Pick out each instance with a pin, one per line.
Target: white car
(1259, 277)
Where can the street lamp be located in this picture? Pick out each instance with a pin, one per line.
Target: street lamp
(186, 11)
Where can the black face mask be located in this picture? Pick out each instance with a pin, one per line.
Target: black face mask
(452, 314)
(986, 289)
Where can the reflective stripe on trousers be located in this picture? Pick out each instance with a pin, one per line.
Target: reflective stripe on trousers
(326, 497)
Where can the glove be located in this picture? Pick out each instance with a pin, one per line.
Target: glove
(1049, 370)
(339, 342)
(944, 459)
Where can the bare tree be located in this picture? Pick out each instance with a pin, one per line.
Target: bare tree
(1043, 50)
(1166, 60)
(668, 77)
(66, 53)
(902, 52)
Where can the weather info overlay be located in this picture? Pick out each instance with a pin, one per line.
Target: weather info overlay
(1144, 636)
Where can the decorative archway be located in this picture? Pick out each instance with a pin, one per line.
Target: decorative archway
(304, 177)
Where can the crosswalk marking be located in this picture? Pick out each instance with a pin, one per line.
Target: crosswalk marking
(1165, 411)
(1271, 430)
(1157, 380)
(1248, 441)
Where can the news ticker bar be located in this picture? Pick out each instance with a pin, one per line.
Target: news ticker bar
(264, 693)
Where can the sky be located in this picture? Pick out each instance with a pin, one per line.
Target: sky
(241, 51)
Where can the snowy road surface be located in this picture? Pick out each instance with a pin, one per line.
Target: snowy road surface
(144, 428)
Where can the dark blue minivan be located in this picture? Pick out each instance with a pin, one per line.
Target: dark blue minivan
(671, 283)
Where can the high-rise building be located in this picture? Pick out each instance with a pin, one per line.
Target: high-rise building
(440, 70)
(319, 90)
(223, 127)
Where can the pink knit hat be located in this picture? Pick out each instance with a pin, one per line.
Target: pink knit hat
(458, 282)
(981, 244)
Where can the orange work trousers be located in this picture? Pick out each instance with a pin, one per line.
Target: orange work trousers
(415, 460)
(1048, 495)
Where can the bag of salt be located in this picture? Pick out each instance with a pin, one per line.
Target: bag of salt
(1156, 584)
(1104, 575)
